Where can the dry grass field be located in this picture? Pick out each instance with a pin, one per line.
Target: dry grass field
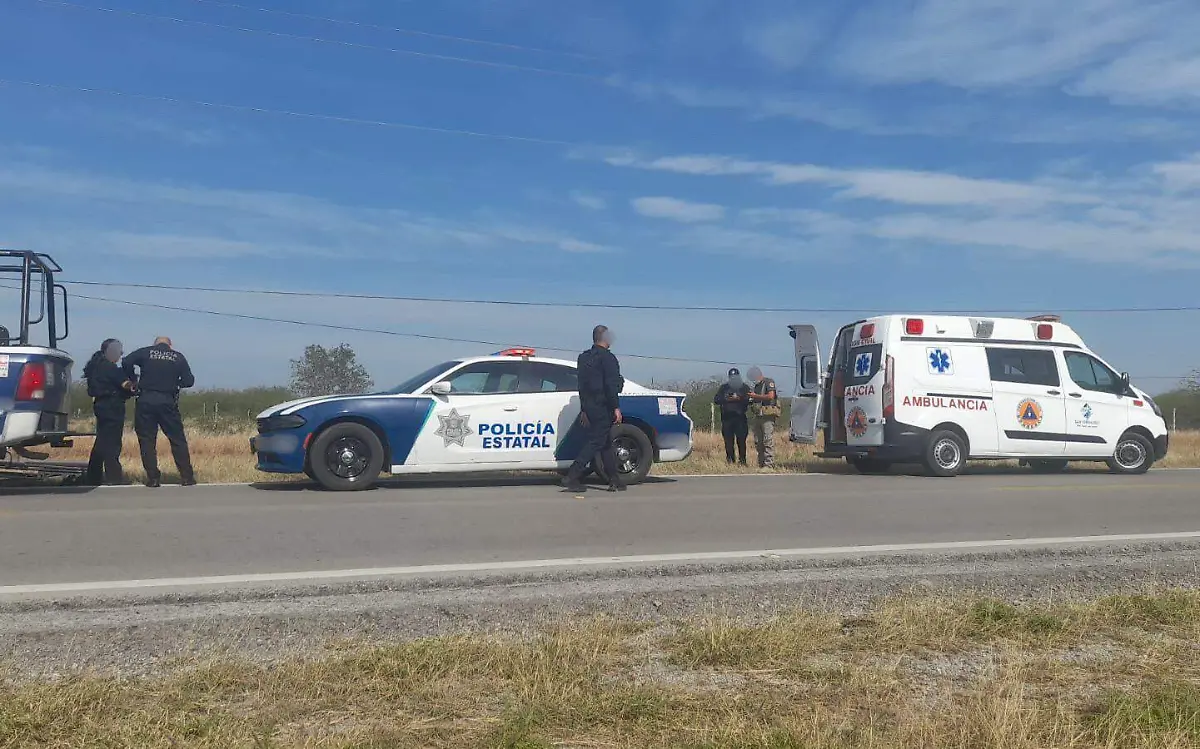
(226, 457)
(915, 672)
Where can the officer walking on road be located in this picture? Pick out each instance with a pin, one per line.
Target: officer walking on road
(109, 388)
(734, 399)
(764, 410)
(600, 384)
(163, 372)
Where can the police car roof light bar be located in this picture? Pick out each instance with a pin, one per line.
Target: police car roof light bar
(520, 351)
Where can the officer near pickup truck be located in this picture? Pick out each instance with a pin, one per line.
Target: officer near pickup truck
(109, 388)
(163, 372)
(764, 412)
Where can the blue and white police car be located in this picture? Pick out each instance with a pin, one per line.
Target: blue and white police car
(513, 411)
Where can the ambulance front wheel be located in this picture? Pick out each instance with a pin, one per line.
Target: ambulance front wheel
(1134, 455)
(946, 453)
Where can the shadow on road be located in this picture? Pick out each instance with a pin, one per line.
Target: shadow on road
(476, 481)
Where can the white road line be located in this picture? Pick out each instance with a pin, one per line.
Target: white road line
(536, 564)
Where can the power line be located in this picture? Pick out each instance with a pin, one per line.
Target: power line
(604, 305)
(287, 113)
(399, 30)
(322, 40)
(429, 337)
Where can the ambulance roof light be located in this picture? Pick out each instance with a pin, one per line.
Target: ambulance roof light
(867, 332)
(983, 328)
(1045, 318)
(519, 351)
(914, 326)
(1045, 331)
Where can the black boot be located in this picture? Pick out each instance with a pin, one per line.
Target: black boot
(572, 483)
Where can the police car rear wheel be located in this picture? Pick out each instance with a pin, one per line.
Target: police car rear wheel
(346, 457)
(634, 454)
(1134, 455)
(946, 454)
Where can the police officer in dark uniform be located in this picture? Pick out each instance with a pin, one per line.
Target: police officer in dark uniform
(734, 399)
(163, 372)
(109, 388)
(600, 384)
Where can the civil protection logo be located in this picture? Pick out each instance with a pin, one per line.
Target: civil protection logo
(1029, 413)
(856, 422)
(454, 427)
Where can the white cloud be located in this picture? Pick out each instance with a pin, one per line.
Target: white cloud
(674, 209)
(1128, 51)
(895, 186)
(1144, 216)
(786, 42)
(589, 201)
(110, 215)
(1006, 121)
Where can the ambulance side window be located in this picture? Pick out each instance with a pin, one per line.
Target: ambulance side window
(864, 363)
(1089, 374)
(1026, 366)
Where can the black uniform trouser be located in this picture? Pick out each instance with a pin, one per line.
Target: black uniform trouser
(105, 462)
(735, 428)
(156, 411)
(598, 444)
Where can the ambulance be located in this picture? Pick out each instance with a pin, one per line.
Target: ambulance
(940, 390)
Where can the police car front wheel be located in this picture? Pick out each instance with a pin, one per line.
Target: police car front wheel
(346, 457)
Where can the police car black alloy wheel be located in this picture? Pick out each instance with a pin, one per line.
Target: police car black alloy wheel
(634, 454)
(946, 454)
(346, 457)
(1134, 454)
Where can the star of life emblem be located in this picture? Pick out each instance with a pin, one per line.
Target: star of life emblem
(454, 427)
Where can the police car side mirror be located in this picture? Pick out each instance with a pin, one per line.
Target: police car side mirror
(440, 388)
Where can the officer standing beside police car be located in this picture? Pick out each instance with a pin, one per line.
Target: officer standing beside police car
(764, 411)
(164, 371)
(600, 385)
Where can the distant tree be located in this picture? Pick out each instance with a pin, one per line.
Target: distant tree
(1193, 381)
(322, 371)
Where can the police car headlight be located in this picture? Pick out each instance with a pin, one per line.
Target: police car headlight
(280, 421)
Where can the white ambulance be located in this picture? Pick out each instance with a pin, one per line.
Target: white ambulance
(939, 390)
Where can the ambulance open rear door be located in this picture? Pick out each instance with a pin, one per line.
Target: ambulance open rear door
(806, 400)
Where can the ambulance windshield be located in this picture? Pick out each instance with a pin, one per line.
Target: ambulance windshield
(408, 386)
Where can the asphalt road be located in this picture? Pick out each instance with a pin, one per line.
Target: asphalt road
(51, 538)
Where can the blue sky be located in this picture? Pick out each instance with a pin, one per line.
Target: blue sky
(901, 155)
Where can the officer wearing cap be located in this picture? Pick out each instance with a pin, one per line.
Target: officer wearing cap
(764, 411)
(163, 372)
(734, 399)
(600, 385)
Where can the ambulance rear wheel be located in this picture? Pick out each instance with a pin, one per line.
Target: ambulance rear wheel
(634, 455)
(946, 454)
(869, 466)
(1048, 466)
(346, 457)
(1134, 455)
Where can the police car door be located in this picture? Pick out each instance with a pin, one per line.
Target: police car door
(806, 400)
(551, 394)
(479, 421)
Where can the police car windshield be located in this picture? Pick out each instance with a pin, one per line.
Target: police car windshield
(411, 384)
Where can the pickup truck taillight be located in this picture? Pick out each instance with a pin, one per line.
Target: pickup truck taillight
(32, 386)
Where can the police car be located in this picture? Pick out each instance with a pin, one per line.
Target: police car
(513, 411)
(940, 390)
